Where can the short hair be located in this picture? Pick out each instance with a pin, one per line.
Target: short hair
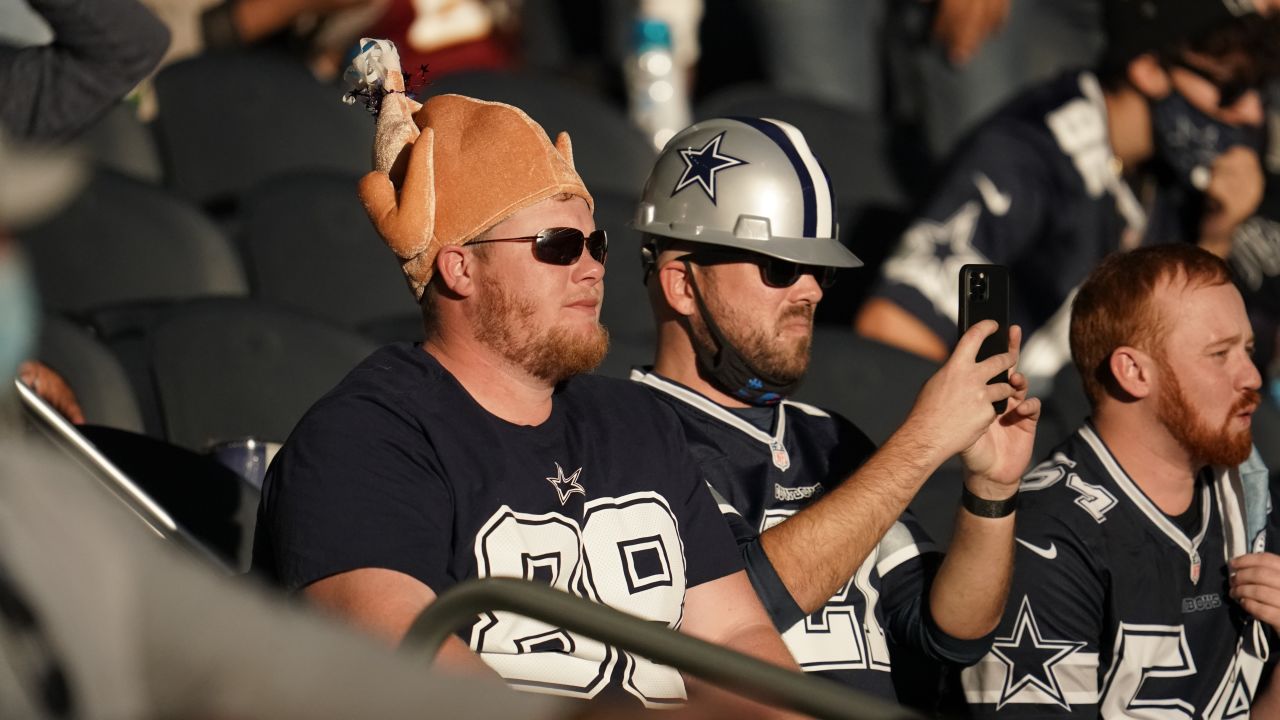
(1251, 36)
(1114, 306)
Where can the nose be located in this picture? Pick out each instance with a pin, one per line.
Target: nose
(1251, 378)
(587, 269)
(807, 289)
(1248, 111)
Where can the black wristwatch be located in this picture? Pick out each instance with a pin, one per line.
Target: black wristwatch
(988, 508)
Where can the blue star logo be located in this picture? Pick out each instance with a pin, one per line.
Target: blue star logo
(566, 486)
(1029, 658)
(701, 166)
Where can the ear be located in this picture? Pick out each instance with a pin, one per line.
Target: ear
(1149, 76)
(673, 280)
(565, 147)
(456, 268)
(1133, 370)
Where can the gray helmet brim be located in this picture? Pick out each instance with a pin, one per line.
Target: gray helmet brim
(751, 234)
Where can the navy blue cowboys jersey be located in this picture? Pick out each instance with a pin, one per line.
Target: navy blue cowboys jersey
(398, 467)
(1034, 188)
(1117, 609)
(761, 478)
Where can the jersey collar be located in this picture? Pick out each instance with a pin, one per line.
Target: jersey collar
(775, 442)
(1191, 545)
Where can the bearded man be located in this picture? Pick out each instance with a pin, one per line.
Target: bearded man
(485, 451)
(740, 240)
(1146, 575)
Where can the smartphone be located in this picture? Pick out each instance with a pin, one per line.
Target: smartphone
(984, 295)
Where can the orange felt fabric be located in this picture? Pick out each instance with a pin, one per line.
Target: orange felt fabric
(474, 164)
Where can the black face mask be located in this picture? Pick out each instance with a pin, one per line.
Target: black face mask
(727, 367)
(1189, 140)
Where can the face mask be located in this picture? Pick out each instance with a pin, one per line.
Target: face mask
(728, 368)
(17, 314)
(1189, 140)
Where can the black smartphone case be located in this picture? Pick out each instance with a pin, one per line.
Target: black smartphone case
(993, 305)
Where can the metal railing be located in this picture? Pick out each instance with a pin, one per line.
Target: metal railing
(732, 670)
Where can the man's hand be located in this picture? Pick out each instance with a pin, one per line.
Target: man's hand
(1255, 584)
(994, 463)
(954, 408)
(1233, 194)
(961, 26)
(51, 388)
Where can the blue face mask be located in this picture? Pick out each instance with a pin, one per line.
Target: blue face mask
(1188, 140)
(17, 314)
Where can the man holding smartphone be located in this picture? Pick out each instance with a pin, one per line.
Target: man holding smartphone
(739, 241)
(1147, 573)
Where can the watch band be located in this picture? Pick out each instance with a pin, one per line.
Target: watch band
(988, 508)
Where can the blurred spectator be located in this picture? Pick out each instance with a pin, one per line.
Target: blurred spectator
(1159, 145)
(942, 65)
(320, 30)
(100, 50)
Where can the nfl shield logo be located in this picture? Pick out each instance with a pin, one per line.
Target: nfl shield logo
(781, 459)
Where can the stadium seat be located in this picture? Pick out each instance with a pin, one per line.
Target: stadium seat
(92, 371)
(875, 386)
(610, 154)
(124, 241)
(626, 302)
(229, 120)
(230, 369)
(871, 384)
(121, 142)
(309, 246)
(856, 149)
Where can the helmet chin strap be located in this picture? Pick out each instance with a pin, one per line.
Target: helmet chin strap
(727, 367)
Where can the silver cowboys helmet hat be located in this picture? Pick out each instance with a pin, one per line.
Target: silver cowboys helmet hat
(745, 183)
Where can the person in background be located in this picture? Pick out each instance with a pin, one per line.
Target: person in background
(1159, 144)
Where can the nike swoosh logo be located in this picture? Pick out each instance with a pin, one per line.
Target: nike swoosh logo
(997, 202)
(1048, 553)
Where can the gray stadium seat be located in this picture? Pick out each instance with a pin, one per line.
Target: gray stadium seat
(626, 302)
(874, 386)
(122, 142)
(93, 373)
(856, 149)
(610, 154)
(229, 120)
(231, 369)
(308, 245)
(124, 241)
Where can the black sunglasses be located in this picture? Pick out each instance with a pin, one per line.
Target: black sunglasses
(1229, 91)
(775, 272)
(561, 245)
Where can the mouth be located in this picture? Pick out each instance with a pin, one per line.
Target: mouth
(586, 304)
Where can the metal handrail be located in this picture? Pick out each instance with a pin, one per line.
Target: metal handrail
(61, 433)
(742, 674)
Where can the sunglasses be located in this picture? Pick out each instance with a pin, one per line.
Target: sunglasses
(561, 245)
(775, 272)
(1229, 91)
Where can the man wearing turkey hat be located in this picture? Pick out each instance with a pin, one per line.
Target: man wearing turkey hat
(486, 451)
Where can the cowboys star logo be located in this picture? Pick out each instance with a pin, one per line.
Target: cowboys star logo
(566, 486)
(701, 166)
